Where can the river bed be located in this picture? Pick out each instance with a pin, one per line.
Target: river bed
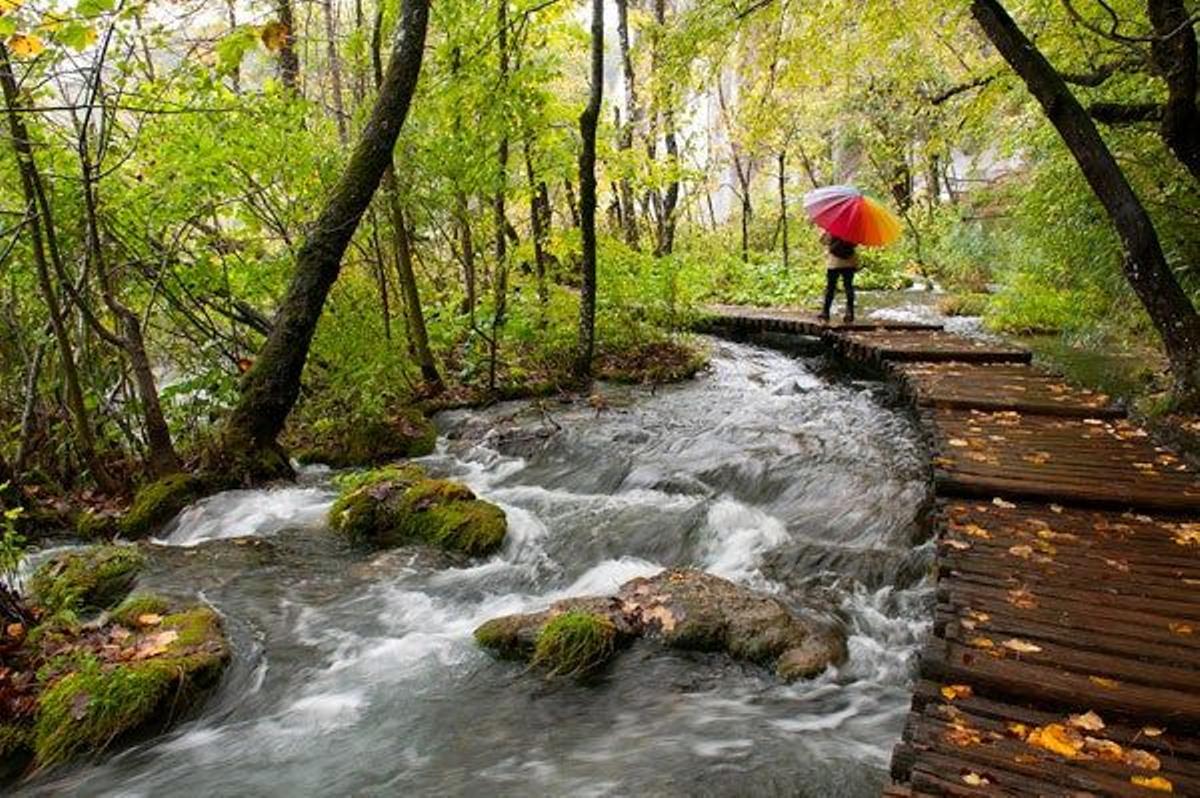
(355, 673)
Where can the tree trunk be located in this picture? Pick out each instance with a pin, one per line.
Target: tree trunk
(538, 219)
(40, 224)
(1173, 53)
(747, 211)
(588, 122)
(335, 68)
(665, 227)
(270, 388)
(289, 62)
(407, 277)
(466, 242)
(625, 144)
(499, 217)
(572, 204)
(1145, 267)
(783, 213)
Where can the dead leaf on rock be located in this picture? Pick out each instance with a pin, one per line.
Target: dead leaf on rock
(155, 644)
(149, 619)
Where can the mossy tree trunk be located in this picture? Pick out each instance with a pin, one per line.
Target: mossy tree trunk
(270, 388)
(1173, 53)
(1145, 266)
(289, 62)
(588, 122)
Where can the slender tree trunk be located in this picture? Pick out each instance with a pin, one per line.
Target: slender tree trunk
(1173, 53)
(1145, 267)
(407, 278)
(466, 243)
(499, 217)
(28, 411)
(381, 278)
(783, 212)
(632, 117)
(40, 224)
(270, 388)
(335, 68)
(572, 204)
(231, 15)
(588, 122)
(289, 62)
(538, 214)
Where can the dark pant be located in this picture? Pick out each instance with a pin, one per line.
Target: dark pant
(831, 278)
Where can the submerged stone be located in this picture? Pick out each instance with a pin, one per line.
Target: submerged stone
(401, 505)
(343, 443)
(95, 578)
(684, 609)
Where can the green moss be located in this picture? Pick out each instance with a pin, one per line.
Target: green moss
(502, 636)
(94, 578)
(139, 604)
(963, 304)
(16, 749)
(159, 502)
(95, 703)
(91, 525)
(353, 441)
(399, 505)
(575, 643)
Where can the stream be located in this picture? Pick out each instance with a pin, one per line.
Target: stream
(355, 673)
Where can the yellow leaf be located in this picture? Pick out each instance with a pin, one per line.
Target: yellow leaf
(974, 780)
(1088, 721)
(1101, 681)
(24, 45)
(953, 691)
(1105, 750)
(1152, 731)
(1152, 783)
(1022, 598)
(1056, 738)
(1018, 729)
(1021, 646)
(149, 619)
(958, 443)
(15, 630)
(1181, 628)
(275, 35)
(9, 5)
(957, 545)
(1023, 551)
(976, 531)
(980, 642)
(1143, 760)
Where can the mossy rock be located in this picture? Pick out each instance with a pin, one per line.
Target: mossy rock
(95, 578)
(366, 442)
(90, 704)
(575, 643)
(402, 505)
(92, 525)
(160, 501)
(16, 750)
(137, 605)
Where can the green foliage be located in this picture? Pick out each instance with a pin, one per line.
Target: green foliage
(347, 440)
(575, 643)
(94, 578)
(12, 542)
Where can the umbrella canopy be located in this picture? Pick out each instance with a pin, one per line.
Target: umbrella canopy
(847, 213)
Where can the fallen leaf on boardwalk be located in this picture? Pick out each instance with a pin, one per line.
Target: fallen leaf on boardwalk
(1105, 750)
(976, 531)
(1021, 646)
(957, 545)
(1036, 458)
(1057, 738)
(958, 443)
(1018, 730)
(155, 644)
(1022, 599)
(1102, 681)
(1003, 504)
(953, 691)
(1143, 760)
(149, 619)
(1152, 731)
(1152, 783)
(1095, 422)
(1188, 535)
(1056, 508)
(1180, 628)
(1088, 721)
(1023, 551)
(980, 642)
(973, 779)
(962, 736)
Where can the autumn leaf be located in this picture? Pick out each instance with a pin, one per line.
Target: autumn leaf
(1022, 550)
(9, 5)
(1021, 646)
(957, 545)
(1088, 721)
(274, 36)
(15, 630)
(25, 45)
(953, 691)
(1003, 505)
(980, 642)
(1152, 731)
(1152, 783)
(1017, 729)
(1058, 739)
(149, 619)
(155, 644)
(1143, 760)
(973, 779)
(1022, 599)
(976, 531)
(1102, 681)
(1180, 628)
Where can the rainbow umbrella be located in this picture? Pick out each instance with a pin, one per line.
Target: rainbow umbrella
(847, 213)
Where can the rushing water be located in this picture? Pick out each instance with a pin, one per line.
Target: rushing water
(355, 674)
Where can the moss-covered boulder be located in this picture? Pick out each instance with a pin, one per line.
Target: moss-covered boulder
(95, 578)
(160, 501)
(682, 608)
(401, 505)
(349, 442)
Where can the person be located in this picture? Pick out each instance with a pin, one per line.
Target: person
(841, 261)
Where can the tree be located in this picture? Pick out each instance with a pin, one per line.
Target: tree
(271, 386)
(1145, 266)
(588, 121)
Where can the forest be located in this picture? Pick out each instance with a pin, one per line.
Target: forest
(244, 236)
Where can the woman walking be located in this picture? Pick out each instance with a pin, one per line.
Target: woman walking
(841, 261)
(849, 219)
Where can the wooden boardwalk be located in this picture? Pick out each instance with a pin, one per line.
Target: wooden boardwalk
(1065, 654)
